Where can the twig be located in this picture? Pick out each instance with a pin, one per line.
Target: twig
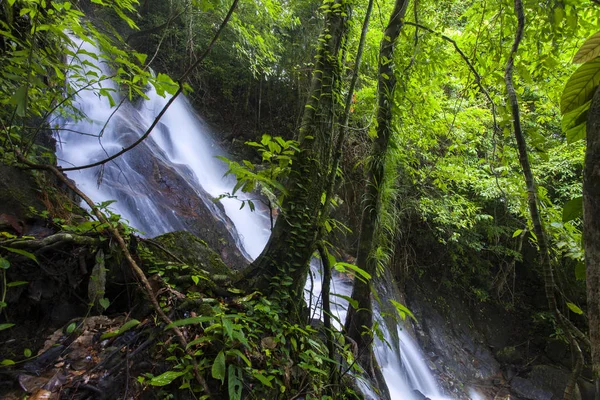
(171, 100)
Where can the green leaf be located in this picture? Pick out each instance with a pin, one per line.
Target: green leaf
(6, 362)
(342, 266)
(4, 263)
(21, 252)
(166, 378)
(238, 353)
(6, 326)
(71, 328)
(403, 311)
(16, 283)
(234, 382)
(263, 379)
(573, 209)
(589, 50)
(517, 233)
(574, 308)
(228, 327)
(20, 100)
(576, 133)
(580, 271)
(190, 321)
(27, 353)
(353, 303)
(581, 86)
(218, 368)
(124, 328)
(104, 303)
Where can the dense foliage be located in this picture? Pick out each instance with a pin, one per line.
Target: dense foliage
(452, 205)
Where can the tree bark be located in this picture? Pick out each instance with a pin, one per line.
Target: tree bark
(532, 200)
(284, 261)
(591, 232)
(359, 321)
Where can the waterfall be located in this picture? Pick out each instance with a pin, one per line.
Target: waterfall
(181, 150)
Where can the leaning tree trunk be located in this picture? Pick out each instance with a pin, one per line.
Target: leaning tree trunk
(532, 200)
(591, 232)
(283, 264)
(359, 320)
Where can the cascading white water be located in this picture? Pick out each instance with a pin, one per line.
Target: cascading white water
(183, 142)
(404, 371)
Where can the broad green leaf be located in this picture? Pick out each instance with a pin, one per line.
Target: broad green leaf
(21, 252)
(228, 327)
(576, 133)
(517, 233)
(218, 368)
(104, 303)
(27, 353)
(580, 271)
(402, 310)
(6, 326)
(573, 209)
(234, 382)
(589, 50)
(581, 86)
(19, 99)
(6, 362)
(4, 263)
(574, 308)
(166, 378)
(263, 379)
(238, 353)
(574, 122)
(71, 327)
(342, 266)
(353, 303)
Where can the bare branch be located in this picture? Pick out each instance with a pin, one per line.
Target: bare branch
(171, 100)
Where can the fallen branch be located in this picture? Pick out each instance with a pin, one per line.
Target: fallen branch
(127, 255)
(53, 241)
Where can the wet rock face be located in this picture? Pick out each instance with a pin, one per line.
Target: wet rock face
(478, 346)
(164, 197)
(17, 195)
(547, 382)
(460, 354)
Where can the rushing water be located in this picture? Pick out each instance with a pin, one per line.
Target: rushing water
(183, 142)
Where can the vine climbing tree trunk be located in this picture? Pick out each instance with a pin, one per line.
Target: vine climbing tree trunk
(532, 201)
(284, 261)
(591, 232)
(359, 320)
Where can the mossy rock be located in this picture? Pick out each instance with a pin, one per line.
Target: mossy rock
(188, 263)
(19, 193)
(192, 251)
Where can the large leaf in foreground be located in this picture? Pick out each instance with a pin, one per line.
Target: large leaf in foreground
(581, 86)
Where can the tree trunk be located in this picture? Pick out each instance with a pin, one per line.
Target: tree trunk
(359, 321)
(284, 261)
(591, 232)
(532, 200)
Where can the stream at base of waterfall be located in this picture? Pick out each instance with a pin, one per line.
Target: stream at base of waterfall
(183, 145)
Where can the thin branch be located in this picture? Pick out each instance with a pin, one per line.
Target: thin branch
(478, 81)
(171, 100)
